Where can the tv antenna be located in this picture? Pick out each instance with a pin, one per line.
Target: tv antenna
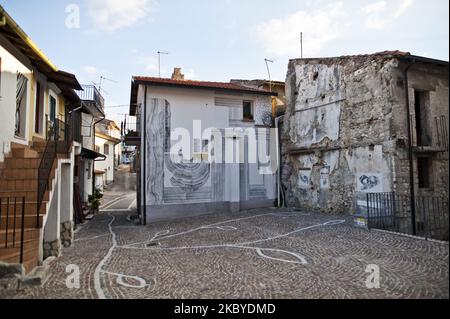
(268, 72)
(159, 61)
(301, 45)
(102, 78)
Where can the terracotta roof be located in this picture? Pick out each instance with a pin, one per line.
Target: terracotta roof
(201, 85)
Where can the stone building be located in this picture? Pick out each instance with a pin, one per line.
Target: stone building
(346, 130)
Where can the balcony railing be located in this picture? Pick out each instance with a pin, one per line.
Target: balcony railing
(131, 130)
(91, 94)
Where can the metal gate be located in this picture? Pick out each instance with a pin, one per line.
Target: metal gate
(392, 212)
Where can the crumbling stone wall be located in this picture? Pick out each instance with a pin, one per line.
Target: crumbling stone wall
(345, 130)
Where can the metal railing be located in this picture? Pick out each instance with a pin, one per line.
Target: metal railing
(392, 212)
(59, 140)
(131, 127)
(12, 224)
(90, 93)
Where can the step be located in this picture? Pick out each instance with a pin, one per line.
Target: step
(30, 196)
(22, 163)
(12, 255)
(30, 208)
(8, 174)
(14, 244)
(18, 185)
(29, 222)
(24, 153)
(28, 234)
(30, 255)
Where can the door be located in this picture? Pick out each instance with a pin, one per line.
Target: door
(52, 109)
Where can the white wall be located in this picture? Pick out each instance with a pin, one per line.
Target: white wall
(10, 65)
(108, 164)
(187, 106)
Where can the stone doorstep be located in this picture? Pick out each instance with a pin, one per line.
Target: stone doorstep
(10, 275)
(39, 275)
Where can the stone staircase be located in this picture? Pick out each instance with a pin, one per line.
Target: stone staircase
(18, 184)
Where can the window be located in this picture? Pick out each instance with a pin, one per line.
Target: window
(97, 148)
(52, 109)
(248, 111)
(421, 107)
(424, 172)
(39, 110)
(21, 104)
(106, 149)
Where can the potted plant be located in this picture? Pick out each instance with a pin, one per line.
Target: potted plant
(94, 200)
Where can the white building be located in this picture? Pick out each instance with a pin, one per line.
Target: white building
(107, 140)
(199, 175)
(37, 150)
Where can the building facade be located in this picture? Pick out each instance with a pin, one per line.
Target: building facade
(107, 142)
(190, 177)
(364, 124)
(36, 150)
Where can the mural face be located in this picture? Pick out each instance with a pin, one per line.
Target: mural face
(304, 178)
(370, 183)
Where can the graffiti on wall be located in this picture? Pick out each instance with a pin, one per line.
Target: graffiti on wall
(370, 182)
(304, 179)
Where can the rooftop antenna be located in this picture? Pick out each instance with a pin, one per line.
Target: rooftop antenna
(268, 71)
(301, 45)
(159, 61)
(101, 82)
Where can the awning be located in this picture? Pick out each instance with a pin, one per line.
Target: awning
(92, 155)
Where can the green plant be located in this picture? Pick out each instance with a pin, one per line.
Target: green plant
(94, 199)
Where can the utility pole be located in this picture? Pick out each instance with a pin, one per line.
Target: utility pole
(159, 61)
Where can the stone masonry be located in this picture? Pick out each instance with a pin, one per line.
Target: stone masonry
(345, 129)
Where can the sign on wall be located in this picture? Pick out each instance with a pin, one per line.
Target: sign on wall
(325, 177)
(369, 182)
(304, 179)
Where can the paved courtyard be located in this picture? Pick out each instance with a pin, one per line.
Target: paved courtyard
(257, 254)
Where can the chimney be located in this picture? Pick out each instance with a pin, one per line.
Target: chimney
(177, 75)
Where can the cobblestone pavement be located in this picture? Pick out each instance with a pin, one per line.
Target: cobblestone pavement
(258, 254)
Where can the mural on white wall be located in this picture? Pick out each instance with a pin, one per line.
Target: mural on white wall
(369, 182)
(304, 179)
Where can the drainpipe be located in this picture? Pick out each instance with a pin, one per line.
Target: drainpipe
(144, 159)
(277, 128)
(410, 151)
(93, 162)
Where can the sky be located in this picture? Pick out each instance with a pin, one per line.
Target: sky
(220, 40)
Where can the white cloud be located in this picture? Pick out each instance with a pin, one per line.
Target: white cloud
(91, 70)
(281, 37)
(111, 15)
(405, 5)
(380, 15)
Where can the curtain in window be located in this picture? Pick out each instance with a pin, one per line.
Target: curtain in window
(21, 92)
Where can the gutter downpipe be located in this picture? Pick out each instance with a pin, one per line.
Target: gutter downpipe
(144, 159)
(93, 162)
(277, 128)
(410, 151)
